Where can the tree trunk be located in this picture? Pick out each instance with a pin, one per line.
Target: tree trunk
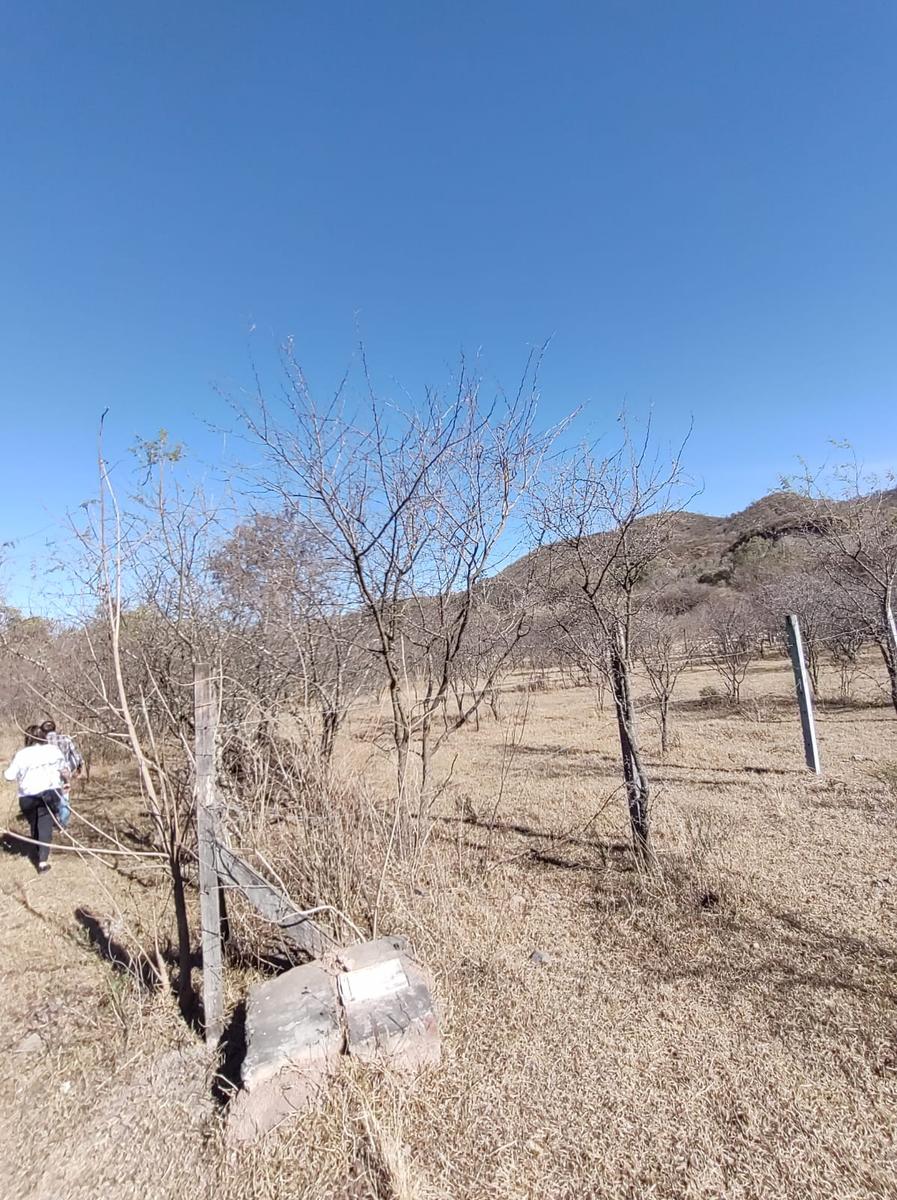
(186, 998)
(425, 753)
(892, 677)
(637, 788)
(664, 724)
(329, 727)
(888, 646)
(401, 733)
(812, 654)
(846, 682)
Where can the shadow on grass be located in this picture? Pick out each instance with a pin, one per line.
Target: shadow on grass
(261, 959)
(149, 975)
(787, 952)
(558, 839)
(693, 924)
(807, 983)
(719, 709)
(120, 958)
(733, 770)
(613, 856)
(13, 846)
(542, 749)
(836, 707)
(232, 1050)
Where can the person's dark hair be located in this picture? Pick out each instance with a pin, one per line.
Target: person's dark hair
(48, 727)
(34, 735)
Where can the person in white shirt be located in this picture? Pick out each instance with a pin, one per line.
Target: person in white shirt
(41, 772)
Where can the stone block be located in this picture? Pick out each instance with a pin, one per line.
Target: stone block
(388, 1006)
(295, 1039)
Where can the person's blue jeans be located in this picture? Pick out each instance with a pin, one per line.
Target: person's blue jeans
(65, 811)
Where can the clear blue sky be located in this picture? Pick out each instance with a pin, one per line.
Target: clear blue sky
(697, 200)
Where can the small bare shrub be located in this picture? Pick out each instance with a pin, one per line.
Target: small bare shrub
(319, 832)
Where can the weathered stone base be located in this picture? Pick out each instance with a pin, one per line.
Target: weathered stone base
(294, 1043)
(372, 1001)
(388, 1006)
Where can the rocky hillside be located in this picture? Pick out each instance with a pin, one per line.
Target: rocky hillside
(760, 543)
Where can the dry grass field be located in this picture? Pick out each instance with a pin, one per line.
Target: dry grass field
(728, 1030)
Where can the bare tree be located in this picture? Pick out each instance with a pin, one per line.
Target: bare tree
(144, 619)
(809, 594)
(855, 530)
(731, 641)
(484, 662)
(844, 651)
(611, 519)
(415, 503)
(284, 592)
(663, 653)
(24, 643)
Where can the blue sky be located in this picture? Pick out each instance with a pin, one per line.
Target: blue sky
(697, 201)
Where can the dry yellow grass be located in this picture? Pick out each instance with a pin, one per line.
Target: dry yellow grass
(727, 1031)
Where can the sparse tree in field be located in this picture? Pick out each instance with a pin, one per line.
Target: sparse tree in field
(156, 599)
(844, 650)
(414, 503)
(25, 642)
(146, 618)
(284, 597)
(855, 527)
(484, 655)
(810, 596)
(662, 652)
(611, 518)
(731, 641)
